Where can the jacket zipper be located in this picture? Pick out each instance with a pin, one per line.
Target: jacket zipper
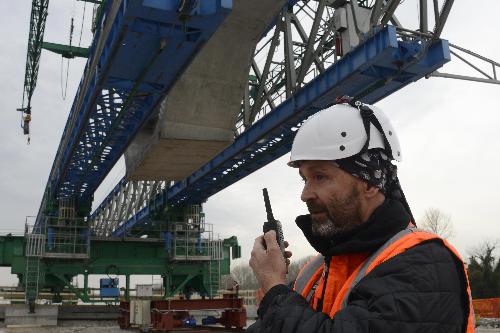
(325, 279)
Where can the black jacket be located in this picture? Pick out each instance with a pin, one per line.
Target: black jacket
(421, 290)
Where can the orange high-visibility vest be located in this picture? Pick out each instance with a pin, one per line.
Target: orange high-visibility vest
(310, 280)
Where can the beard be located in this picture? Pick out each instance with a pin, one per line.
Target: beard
(342, 215)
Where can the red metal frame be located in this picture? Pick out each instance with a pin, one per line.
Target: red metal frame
(167, 315)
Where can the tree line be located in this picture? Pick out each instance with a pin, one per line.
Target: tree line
(484, 272)
(245, 277)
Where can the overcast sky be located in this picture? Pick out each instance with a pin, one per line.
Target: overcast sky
(448, 131)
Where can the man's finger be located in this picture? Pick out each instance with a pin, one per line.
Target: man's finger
(258, 244)
(288, 254)
(286, 244)
(270, 238)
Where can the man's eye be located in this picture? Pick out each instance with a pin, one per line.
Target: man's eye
(319, 177)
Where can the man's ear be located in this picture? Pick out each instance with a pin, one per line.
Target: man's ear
(370, 191)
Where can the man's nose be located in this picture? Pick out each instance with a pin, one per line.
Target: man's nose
(307, 194)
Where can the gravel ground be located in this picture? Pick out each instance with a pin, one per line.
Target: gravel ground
(76, 327)
(71, 327)
(112, 327)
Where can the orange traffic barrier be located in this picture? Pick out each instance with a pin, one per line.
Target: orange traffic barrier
(487, 307)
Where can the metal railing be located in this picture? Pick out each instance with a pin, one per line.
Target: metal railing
(193, 243)
(59, 238)
(67, 238)
(35, 244)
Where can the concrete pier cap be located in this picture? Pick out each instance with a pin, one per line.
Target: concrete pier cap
(195, 121)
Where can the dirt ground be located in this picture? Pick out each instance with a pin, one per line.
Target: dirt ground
(75, 327)
(71, 327)
(111, 327)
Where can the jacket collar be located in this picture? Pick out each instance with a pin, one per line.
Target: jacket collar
(387, 220)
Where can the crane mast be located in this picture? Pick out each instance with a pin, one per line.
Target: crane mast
(39, 12)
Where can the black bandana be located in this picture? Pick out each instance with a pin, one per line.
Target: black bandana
(373, 166)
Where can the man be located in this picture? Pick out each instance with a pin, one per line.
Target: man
(375, 271)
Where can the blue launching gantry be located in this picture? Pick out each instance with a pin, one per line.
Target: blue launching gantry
(140, 51)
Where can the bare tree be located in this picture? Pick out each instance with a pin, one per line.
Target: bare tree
(438, 222)
(245, 277)
(295, 267)
(484, 270)
(484, 250)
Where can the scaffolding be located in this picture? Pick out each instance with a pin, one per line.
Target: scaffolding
(64, 236)
(193, 239)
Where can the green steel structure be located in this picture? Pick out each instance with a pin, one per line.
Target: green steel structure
(67, 51)
(178, 245)
(181, 248)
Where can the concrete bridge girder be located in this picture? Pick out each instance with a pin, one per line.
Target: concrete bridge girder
(196, 119)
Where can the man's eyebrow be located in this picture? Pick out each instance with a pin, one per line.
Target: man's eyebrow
(318, 168)
(314, 169)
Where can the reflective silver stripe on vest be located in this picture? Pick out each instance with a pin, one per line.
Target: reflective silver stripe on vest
(362, 272)
(306, 274)
(308, 271)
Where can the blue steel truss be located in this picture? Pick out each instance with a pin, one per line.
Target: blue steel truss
(144, 50)
(377, 68)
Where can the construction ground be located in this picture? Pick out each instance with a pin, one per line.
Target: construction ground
(112, 327)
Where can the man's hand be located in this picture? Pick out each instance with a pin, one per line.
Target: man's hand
(269, 266)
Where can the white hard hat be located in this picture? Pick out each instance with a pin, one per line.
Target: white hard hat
(339, 132)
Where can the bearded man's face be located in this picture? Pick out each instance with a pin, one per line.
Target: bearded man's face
(332, 197)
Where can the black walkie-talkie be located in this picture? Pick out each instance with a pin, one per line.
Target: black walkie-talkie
(272, 223)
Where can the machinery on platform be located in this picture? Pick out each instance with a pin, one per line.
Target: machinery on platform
(109, 287)
(164, 87)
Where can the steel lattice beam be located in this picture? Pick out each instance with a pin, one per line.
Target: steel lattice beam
(476, 62)
(128, 199)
